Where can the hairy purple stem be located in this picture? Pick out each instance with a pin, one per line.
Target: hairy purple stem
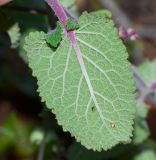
(60, 13)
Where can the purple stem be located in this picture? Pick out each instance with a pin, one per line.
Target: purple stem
(59, 11)
(62, 16)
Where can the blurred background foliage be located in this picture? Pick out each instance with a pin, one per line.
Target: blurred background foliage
(28, 131)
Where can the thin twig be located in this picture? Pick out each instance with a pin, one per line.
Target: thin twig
(123, 20)
(69, 14)
(41, 150)
(117, 12)
(146, 32)
(140, 83)
(4, 2)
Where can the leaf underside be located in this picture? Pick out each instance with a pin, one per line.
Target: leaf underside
(99, 118)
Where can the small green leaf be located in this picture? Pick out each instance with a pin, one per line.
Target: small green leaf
(71, 24)
(141, 131)
(142, 110)
(37, 136)
(148, 71)
(103, 14)
(109, 85)
(55, 37)
(14, 34)
(67, 3)
(146, 155)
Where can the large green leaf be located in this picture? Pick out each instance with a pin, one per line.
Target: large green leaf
(97, 110)
(147, 71)
(141, 131)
